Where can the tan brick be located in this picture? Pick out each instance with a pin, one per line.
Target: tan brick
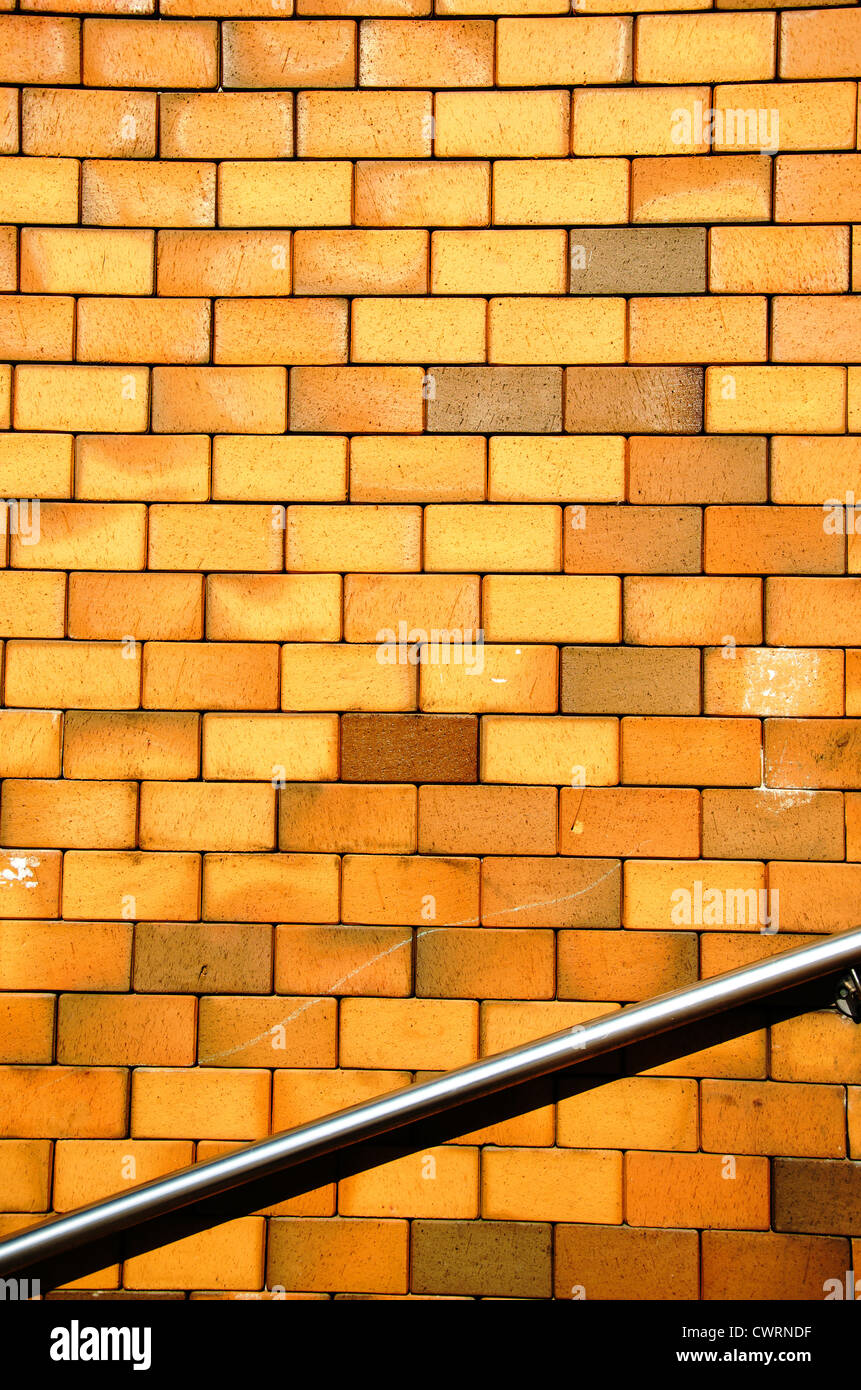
(422, 193)
(207, 816)
(288, 53)
(268, 747)
(341, 676)
(221, 262)
(492, 538)
(636, 400)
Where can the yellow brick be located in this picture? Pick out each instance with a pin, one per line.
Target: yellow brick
(35, 465)
(150, 53)
(421, 602)
(38, 190)
(576, 51)
(83, 675)
(227, 1255)
(418, 330)
(124, 467)
(354, 537)
(113, 399)
(536, 192)
(270, 747)
(805, 115)
(408, 468)
(214, 537)
(135, 330)
(498, 262)
(638, 120)
(775, 400)
(789, 260)
(705, 48)
(558, 751)
(551, 608)
(256, 887)
(524, 468)
(408, 1033)
(651, 886)
(340, 676)
(147, 193)
(207, 816)
(288, 53)
(29, 888)
(542, 1184)
(199, 1103)
(354, 125)
(301, 193)
(40, 50)
(30, 743)
(223, 262)
(107, 886)
(86, 535)
(33, 604)
(441, 1182)
(490, 679)
(86, 260)
(636, 1112)
(557, 331)
(500, 124)
(500, 537)
(309, 468)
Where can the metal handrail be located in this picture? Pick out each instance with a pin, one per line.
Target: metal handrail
(371, 1119)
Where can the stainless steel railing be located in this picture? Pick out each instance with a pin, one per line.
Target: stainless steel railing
(190, 1186)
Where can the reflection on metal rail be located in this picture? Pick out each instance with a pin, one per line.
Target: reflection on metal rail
(633, 1024)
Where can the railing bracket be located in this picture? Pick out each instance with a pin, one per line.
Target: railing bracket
(848, 998)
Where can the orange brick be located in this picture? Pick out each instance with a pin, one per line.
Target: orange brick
(546, 892)
(637, 120)
(762, 540)
(65, 955)
(239, 1032)
(661, 894)
(26, 1169)
(288, 53)
(805, 469)
(360, 538)
(31, 743)
(135, 606)
(26, 1031)
(202, 676)
(226, 537)
(221, 262)
(819, 44)
(426, 53)
(636, 1112)
(259, 607)
(150, 53)
(127, 330)
(352, 125)
(144, 193)
(343, 960)
(83, 675)
(303, 1095)
(36, 328)
(339, 1252)
(86, 260)
(461, 963)
(764, 1117)
(487, 820)
(81, 398)
(509, 679)
(63, 1102)
(740, 1264)
(500, 124)
(773, 681)
(36, 464)
(815, 897)
(40, 50)
(638, 539)
(136, 745)
(581, 51)
(108, 885)
(556, 331)
(389, 890)
(361, 262)
(800, 115)
(532, 1184)
(492, 538)
(304, 468)
(603, 965)
(408, 1033)
(257, 888)
(298, 193)
(244, 400)
(340, 676)
(715, 1190)
(89, 535)
(421, 193)
(690, 611)
(721, 752)
(705, 48)
(442, 1181)
(111, 1030)
(271, 331)
(207, 816)
(373, 603)
(199, 1103)
(792, 260)
(698, 329)
(226, 125)
(228, 1254)
(634, 821)
(698, 188)
(81, 123)
(816, 1046)
(359, 819)
(34, 604)
(801, 181)
(73, 815)
(814, 329)
(813, 612)
(808, 753)
(623, 1262)
(86, 1170)
(360, 400)
(30, 882)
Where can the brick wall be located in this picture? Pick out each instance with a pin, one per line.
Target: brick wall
(524, 344)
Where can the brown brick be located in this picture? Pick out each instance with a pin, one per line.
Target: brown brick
(344, 961)
(528, 892)
(817, 1196)
(633, 540)
(625, 1262)
(409, 748)
(492, 1259)
(750, 1265)
(634, 400)
(218, 957)
(462, 963)
(345, 1253)
(487, 820)
(604, 965)
(638, 260)
(706, 469)
(507, 400)
(772, 824)
(630, 680)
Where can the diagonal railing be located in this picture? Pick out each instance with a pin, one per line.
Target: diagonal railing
(836, 955)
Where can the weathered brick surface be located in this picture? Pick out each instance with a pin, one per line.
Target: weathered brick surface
(429, 454)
